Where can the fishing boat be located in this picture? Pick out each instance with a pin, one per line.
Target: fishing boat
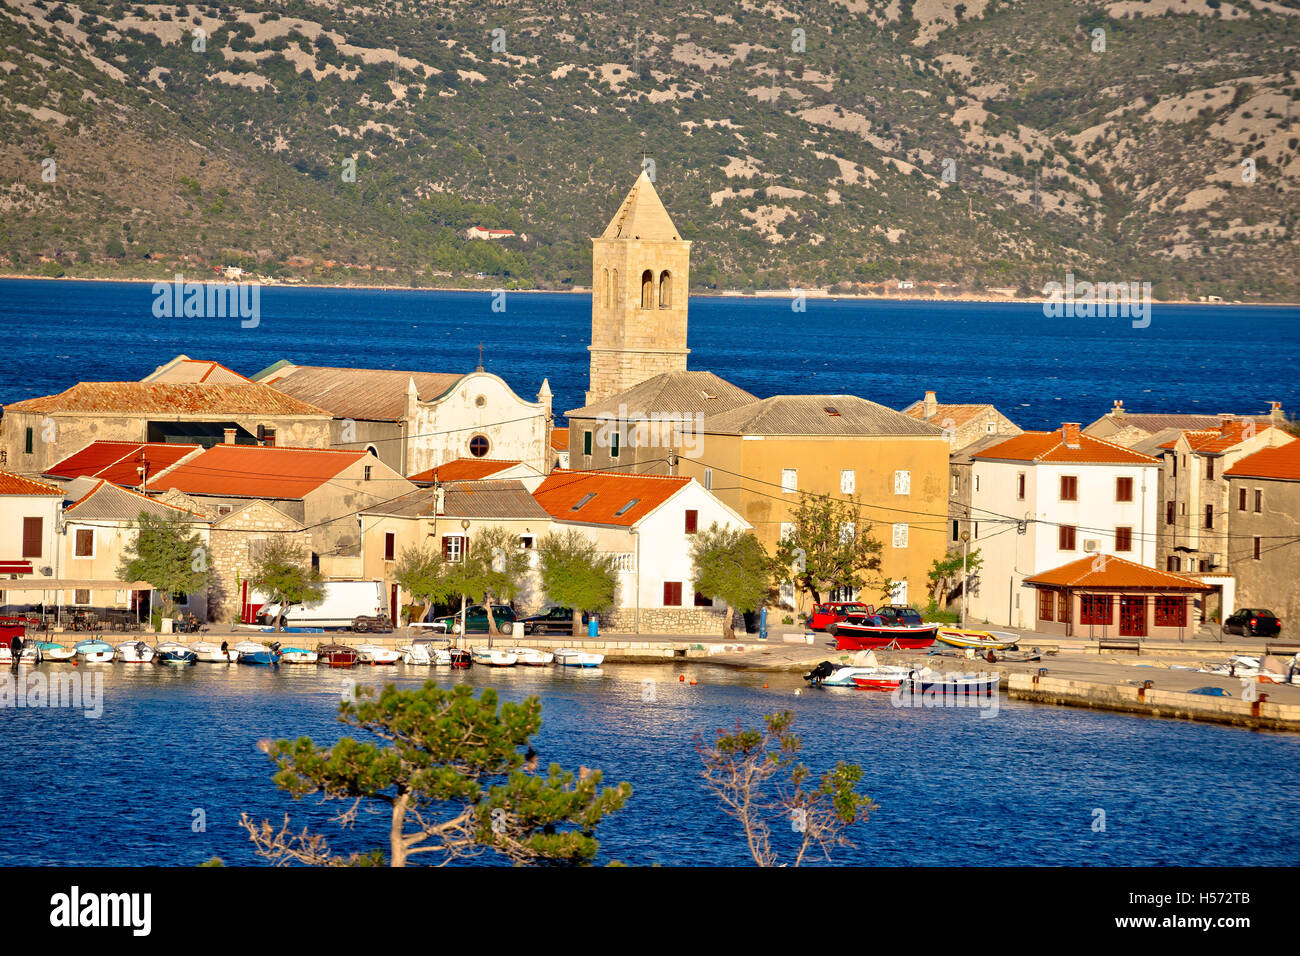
(928, 682)
(459, 657)
(135, 652)
(259, 654)
(375, 654)
(864, 633)
(205, 652)
(863, 666)
(573, 657)
(533, 656)
(95, 651)
(979, 640)
(175, 653)
(298, 655)
(337, 655)
(50, 651)
(494, 657)
(31, 654)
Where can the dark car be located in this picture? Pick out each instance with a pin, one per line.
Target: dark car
(554, 620)
(1252, 622)
(476, 621)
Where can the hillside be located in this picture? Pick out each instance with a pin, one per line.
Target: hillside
(813, 167)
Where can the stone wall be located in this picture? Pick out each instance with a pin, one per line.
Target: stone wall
(667, 620)
(233, 552)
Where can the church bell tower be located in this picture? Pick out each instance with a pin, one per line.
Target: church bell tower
(640, 280)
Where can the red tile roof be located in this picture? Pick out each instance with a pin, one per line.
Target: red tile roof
(252, 471)
(564, 495)
(11, 484)
(174, 399)
(1282, 462)
(1215, 441)
(1108, 571)
(560, 439)
(1051, 447)
(463, 469)
(117, 461)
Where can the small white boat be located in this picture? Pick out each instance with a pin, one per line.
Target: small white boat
(1238, 665)
(298, 655)
(50, 651)
(572, 657)
(209, 653)
(533, 656)
(135, 652)
(374, 654)
(426, 653)
(250, 648)
(31, 654)
(493, 657)
(869, 677)
(95, 651)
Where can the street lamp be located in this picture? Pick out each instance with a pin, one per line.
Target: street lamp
(965, 549)
(464, 552)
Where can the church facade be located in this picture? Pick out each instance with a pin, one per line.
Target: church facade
(640, 286)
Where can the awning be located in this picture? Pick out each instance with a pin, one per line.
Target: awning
(72, 584)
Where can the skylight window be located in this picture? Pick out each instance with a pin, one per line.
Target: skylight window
(583, 500)
(831, 410)
(627, 507)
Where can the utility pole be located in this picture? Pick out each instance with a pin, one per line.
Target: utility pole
(965, 550)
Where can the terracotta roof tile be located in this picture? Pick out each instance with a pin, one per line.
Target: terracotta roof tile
(1215, 441)
(118, 461)
(11, 484)
(173, 399)
(463, 469)
(1051, 447)
(595, 497)
(252, 471)
(559, 439)
(1282, 463)
(959, 414)
(1107, 571)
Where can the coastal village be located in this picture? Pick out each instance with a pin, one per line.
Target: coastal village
(1135, 526)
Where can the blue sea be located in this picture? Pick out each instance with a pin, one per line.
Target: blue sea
(1040, 371)
(164, 774)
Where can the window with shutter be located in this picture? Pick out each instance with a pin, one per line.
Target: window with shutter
(1069, 488)
(1123, 539)
(1065, 537)
(1123, 489)
(848, 481)
(692, 521)
(453, 546)
(900, 535)
(390, 545)
(902, 482)
(85, 543)
(672, 594)
(33, 533)
(789, 480)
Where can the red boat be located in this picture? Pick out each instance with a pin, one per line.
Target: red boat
(888, 627)
(337, 655)
(460, 657)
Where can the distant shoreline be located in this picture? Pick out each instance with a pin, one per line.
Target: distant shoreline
(729, 294)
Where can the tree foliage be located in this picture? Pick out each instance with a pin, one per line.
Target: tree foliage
(830, 546)
(575, 575)
(945, 573)
(493, 569)
(286, 575)
(169, 554)
(730, 564)
(428, 576)
(457, 776)
(760, 782)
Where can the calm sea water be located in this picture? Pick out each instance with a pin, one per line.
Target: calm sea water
(1022, 787)
(1040, 371)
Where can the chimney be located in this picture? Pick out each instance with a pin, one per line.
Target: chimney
(440, 500)
(931, 405)
(230, 436)
(1276, 415)
(1117, 410)
(1070, 434)
(1226, 423)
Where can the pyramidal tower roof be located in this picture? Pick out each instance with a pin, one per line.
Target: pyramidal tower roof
(641, 215)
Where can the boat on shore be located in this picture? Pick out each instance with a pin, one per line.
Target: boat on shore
(377, 654)
(979, 640)
(861, 633)
(494, 657)
(135, 652)
(337, 655)
(573, 657)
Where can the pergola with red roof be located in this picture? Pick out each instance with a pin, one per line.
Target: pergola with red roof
(1103, 596)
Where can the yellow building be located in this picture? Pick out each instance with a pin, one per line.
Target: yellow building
(640, 283)
(759, 457)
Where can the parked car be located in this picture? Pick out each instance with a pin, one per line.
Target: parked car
(476, 620)
(898, 614)
(554, 620)
(1252, 622)
(824, 615)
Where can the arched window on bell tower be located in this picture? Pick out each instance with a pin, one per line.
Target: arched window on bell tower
(647, 289)
(665, 290)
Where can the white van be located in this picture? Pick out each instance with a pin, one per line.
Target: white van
(341, 604)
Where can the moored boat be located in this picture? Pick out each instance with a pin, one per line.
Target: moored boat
(337, 655)
(376, 654)
(573, 657)
(931, 683)
(175, 653)
(869, 632)
(259, 654)
(533, 656)
(298, 655)
(95, 651)
(50, 651)
(494, 657)
(426, 652)
(205, 652)
(863, 672)
(135, 652)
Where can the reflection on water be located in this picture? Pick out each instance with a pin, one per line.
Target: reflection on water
(953, 789)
